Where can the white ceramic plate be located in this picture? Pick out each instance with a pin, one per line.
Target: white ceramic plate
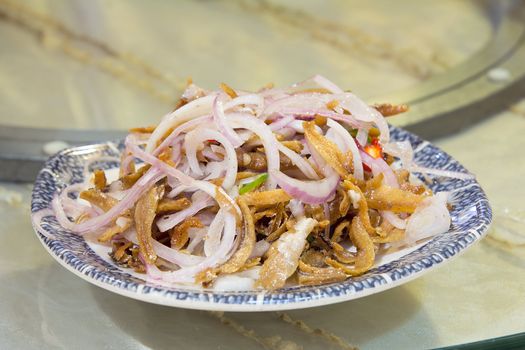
(471, 216)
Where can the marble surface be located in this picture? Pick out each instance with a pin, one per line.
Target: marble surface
(42, 306)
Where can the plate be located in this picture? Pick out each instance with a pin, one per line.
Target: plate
(471, 217)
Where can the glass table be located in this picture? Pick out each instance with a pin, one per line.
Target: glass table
(96, 65)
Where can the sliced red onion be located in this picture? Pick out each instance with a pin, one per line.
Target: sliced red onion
(312, 104)
(159, 164)
(61, 215)
(272, 95)
(281, 123)
(176, 190)
(309, 192)
(244, 135)
(197, 137)
(96, 223)
(286, 132)
(319, 161)
(393, 219)
(317, 80)
(402, 150)
(297, 125)
(193, 92)
(222, 123)
(169, 221)
(176, 152)
(196, 236)
(74, 208)
(297, 208)
(430, 218)
(187, 274)
(349, 145)
(363, 112)
(196, 108)
(206, 217)
(175, 135)
(248, 99)
(327, 84)
(271, 147)
(213, 236)
(444, 173)
(362, 136)
(379, 166)
(186, 180)
(218, 149)
(216, 170)
(303, 101)
(301, 163)
(167, 253)
(309, 114)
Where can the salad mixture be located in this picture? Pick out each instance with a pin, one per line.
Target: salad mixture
(241, 190)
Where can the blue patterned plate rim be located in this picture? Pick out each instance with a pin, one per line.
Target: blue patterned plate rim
(471, 217)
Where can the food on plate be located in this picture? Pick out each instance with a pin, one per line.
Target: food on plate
(242, 190)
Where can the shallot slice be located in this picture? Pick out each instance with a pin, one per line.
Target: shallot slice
(196, 108)
(220, 120)
(309, 192)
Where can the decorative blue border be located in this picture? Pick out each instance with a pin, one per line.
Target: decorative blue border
(471, 216)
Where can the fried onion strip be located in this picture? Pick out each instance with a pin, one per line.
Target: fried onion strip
(113, 230)
(277, 233)
(294, 145)
(341, 254)
(170, 205)
(228, 90)
(388, 233)
(266, 198)
(130, 179)
(388, 110)
(99, 179)
(338, 231)
(179, 235)
(98, 199)
(345, 203)
(365, 251)
(310, 275)
(330, 276)
(326, 149)
(362, 205)
(144, 215)
(392, 199)
(284, 254)
(143, 129)
(240, 259)
(119, 253)
(242, 254)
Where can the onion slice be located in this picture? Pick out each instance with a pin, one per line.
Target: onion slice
(196, 137)
(394, 219)
(350, 146)
(196, 108)
(167, 253)
(271, 146)
(309, 192)
(220, 119)
(187, 274)
(379, 166)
